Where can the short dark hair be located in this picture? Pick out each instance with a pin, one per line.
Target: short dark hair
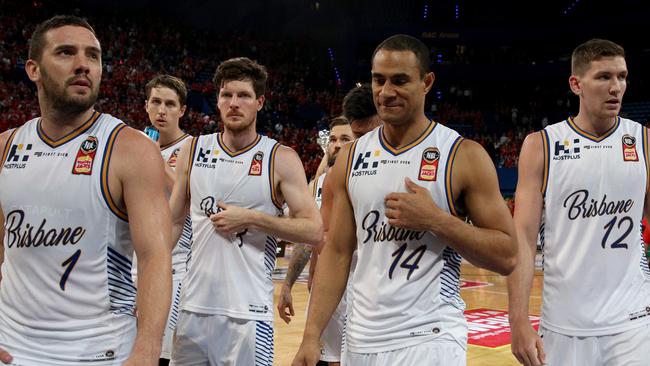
(170, 82)
(358, 103)
(242, 68)
(339, 121)
(37, 42)
(403, 42)
(593, 50)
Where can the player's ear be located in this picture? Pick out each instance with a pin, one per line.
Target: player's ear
(428, 79)
(575, 84)
(260, 102)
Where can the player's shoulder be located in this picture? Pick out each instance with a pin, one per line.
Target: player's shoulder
(4, 137)
(134, 144)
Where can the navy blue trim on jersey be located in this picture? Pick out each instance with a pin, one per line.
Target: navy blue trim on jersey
(348, 166)
(193, 145)
(450, 278)
(397, 151)
(274, 197)
(121, 290)
(448, 176)
(588, 135)
(106, 161)
(270, 248)
(232, 154)
(547, 161)
(70, 136)
(5, 152)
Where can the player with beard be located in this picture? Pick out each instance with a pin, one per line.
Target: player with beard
(340, 134)
(234, 185)
(79, 191)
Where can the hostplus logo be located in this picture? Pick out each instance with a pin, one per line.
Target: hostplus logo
(18, 156)
(206, 158)
(366, 163)
(567, 150)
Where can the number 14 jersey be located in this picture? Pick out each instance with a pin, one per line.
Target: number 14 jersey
(405, 288)
(596, 276)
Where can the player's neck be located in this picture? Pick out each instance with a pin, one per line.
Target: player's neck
(237, 140)
(594, 125)
(56, 124)
(400, 135)
(167, 137)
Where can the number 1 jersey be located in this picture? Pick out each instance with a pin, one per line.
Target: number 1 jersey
(66, 293)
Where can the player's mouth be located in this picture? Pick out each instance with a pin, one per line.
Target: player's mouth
(82, 82)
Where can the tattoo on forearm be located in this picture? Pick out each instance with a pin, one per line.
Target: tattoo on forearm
(299, 259)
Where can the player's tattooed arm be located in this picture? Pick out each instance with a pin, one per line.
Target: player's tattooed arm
(299, 259)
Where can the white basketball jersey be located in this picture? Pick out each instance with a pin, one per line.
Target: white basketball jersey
(405, 288)
(318, 196)
(596, 277)
(231, 275)
(66, 288)
(181, 251)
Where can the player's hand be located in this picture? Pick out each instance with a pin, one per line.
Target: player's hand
(413, 210)
(142, 358)
(527, 346)
(308, 353)
(5, 357)
(231, 219)
(285, 304)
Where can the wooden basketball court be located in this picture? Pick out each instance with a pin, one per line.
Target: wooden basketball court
(493, 296)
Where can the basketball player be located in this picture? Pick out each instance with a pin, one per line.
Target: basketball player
(405, 295)
(234, 185)
(585, 180)
(165, 105)
(340, 134)
(359, 109)
(79, 192)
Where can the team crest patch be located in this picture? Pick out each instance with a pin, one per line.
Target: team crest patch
(83, 164)
(429, 164)
(172, 158)
(256, 164)
(629, 148)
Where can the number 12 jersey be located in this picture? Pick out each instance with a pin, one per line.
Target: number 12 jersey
(596, 276)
